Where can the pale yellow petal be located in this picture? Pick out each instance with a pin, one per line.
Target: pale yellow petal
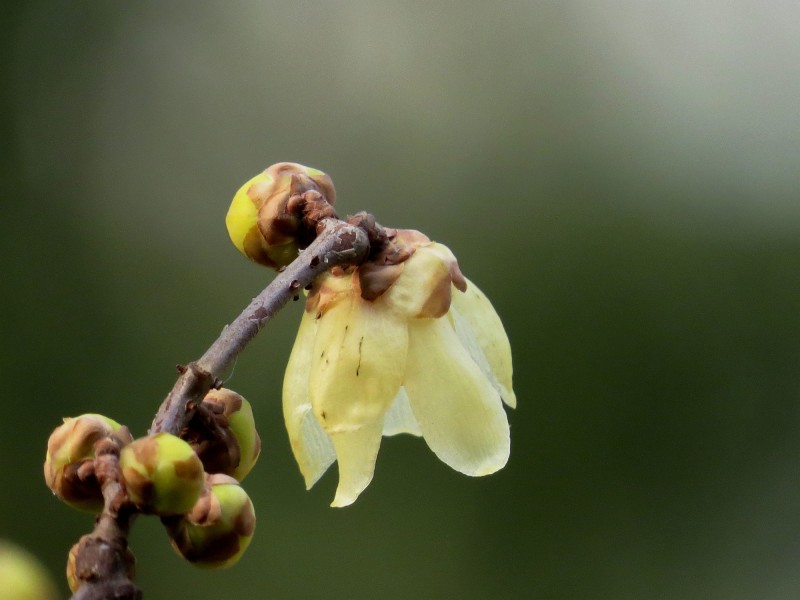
(311, 446)
(482, 333)
(423, 287)
(460, 413)
(358, 363)
(319, 451)
(329, 289)
(400, 418)
(356, 452)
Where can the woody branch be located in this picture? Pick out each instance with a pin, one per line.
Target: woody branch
(105, 564)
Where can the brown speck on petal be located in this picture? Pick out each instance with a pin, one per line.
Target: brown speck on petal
(412, 237)
(224, 547)
(206, 510)
(223, 401)
(190, 469)
(375, 279)
(438, 303)
(146, 455)
(312, 302)
(254, 192)
(77, 483)
(143, 485)
(333, 289)
(85, 469)
(458, 277)
(254, 248)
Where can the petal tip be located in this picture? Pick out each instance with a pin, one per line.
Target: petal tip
(508, 396)
(341, 502)
(488, 467)
(346, 495)
(311, 480)
(491, 468)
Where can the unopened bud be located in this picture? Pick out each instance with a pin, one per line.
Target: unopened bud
(219, 528)
(162, 474)
(237, 418)
(262, 222)
(68, 466)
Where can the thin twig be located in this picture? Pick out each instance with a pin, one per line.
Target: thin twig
(338, 243)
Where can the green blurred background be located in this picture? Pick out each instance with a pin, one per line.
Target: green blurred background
(620, 177)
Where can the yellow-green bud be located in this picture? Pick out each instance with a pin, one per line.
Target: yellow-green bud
(261, 221)
(68, 466)
(22, 577)
(219, 528)
(162, 474)
(239, 416)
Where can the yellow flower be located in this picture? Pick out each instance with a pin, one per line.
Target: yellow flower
(411, 348)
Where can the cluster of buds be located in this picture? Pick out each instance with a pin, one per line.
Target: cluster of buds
(191, 480)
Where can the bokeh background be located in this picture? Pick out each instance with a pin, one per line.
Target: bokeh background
(620, 177)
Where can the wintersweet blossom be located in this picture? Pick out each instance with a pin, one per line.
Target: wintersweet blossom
(410, 347)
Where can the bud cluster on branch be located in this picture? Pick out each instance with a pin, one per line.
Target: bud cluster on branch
(393, 339)
(191, 481)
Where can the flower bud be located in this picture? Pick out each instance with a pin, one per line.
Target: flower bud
(22, 577)
(219, 528)
(263, 222)
(237, 417)
(68, 466)
(162, 474)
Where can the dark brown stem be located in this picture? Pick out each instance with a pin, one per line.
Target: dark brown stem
(103, 564)
(338, 243)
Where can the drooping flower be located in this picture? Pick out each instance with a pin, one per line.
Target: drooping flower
(402, 345)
